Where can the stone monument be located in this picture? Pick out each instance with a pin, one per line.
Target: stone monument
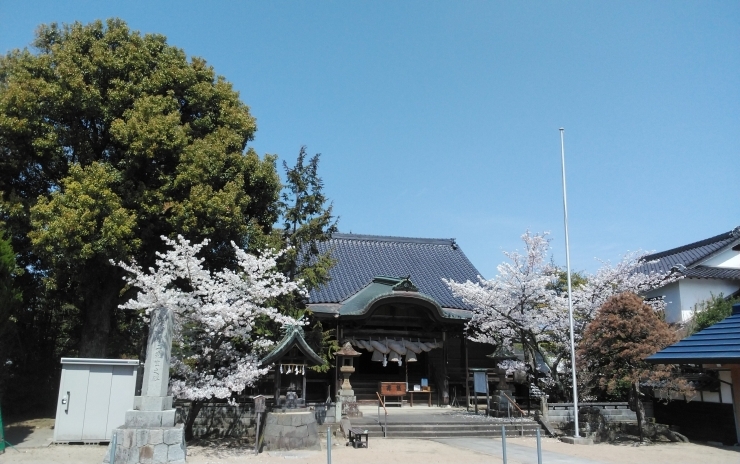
(149, 435)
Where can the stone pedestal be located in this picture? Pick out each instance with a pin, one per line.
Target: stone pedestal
(349, 403)
(499, 404)
(291, 430)
(156, 445)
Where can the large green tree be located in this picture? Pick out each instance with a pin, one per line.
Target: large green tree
(110, 139)
(10, 298)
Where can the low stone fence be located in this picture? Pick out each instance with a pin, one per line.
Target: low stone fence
(234, 421)
(558, 413)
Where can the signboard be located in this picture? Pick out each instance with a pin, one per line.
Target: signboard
(393, 388)
(480, 382)
(259, 403)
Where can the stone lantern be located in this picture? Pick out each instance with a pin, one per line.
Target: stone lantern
(346, 356)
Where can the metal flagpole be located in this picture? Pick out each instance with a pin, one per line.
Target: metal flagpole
(570, 300)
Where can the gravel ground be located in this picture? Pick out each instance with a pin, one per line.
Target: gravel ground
(34, 448)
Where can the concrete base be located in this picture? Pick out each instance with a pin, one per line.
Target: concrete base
(158, 445)
(577, 440)
(291, 430)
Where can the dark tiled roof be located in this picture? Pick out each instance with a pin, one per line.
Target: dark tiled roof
(690, 254)
(705, 272)
(360, 258)
(293, 337)
(719, 343)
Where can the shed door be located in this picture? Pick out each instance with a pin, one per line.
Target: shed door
(98, 399)
(122, 390)
(71, 403)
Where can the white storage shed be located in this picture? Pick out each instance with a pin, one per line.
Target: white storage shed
(94, 395)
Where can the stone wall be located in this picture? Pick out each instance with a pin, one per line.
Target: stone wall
(291, 430)
(220, 420)
(558, 413)
(224, 420)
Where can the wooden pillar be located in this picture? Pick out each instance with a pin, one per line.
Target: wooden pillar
(467, 376)
(445, 383)
(735, 373)
(277, 385)
(304, 386)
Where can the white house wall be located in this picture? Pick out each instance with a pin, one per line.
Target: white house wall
(727, 259)
(694, 291)
(682, 296)
(672, 297)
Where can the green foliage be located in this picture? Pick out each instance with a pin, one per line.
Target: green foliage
(10, 299)
(324, 343)
(577, 280)
(307, 221)
(110, 139)
(711, 311)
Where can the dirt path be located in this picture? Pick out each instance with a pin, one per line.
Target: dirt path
(399, 451)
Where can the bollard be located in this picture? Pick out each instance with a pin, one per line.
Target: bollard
(328, 445)
(113, 445)
(539, 447)
(503, 441)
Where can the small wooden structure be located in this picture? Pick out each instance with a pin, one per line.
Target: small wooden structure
(291, 356)
(716, 347)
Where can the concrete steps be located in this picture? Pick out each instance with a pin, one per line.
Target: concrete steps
(457, 429)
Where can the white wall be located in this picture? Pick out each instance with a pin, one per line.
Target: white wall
(672, 297)
(727, 259)
(681, 296)
(694, 291)
(714, 397)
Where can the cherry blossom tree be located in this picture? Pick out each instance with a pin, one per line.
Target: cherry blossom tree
(518, 306)
(216, 314)
(524, 304)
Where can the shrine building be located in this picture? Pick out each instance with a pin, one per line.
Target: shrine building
(387, 297)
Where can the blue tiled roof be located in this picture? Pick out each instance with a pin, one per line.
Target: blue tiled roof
(360, 258)
(690, 254)
(719, 343)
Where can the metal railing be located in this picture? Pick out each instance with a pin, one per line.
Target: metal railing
(516, 406)
(384, 427)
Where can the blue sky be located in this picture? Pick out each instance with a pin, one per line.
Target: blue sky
(440, 119)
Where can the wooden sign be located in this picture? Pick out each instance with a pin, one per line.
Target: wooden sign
(392, 388)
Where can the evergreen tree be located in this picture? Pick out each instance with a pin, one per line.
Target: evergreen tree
(109, 140)
(10, 299)
(307, 222)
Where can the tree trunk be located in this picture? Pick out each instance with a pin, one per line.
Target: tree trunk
(637, 407)
(101, 299)
(195, 407)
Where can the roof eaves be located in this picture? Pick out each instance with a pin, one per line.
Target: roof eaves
(388, 238)
(715, 252)
(708, 241)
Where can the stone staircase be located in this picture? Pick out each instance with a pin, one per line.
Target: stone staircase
(451, 428)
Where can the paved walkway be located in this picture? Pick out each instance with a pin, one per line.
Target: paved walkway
(515, 454)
